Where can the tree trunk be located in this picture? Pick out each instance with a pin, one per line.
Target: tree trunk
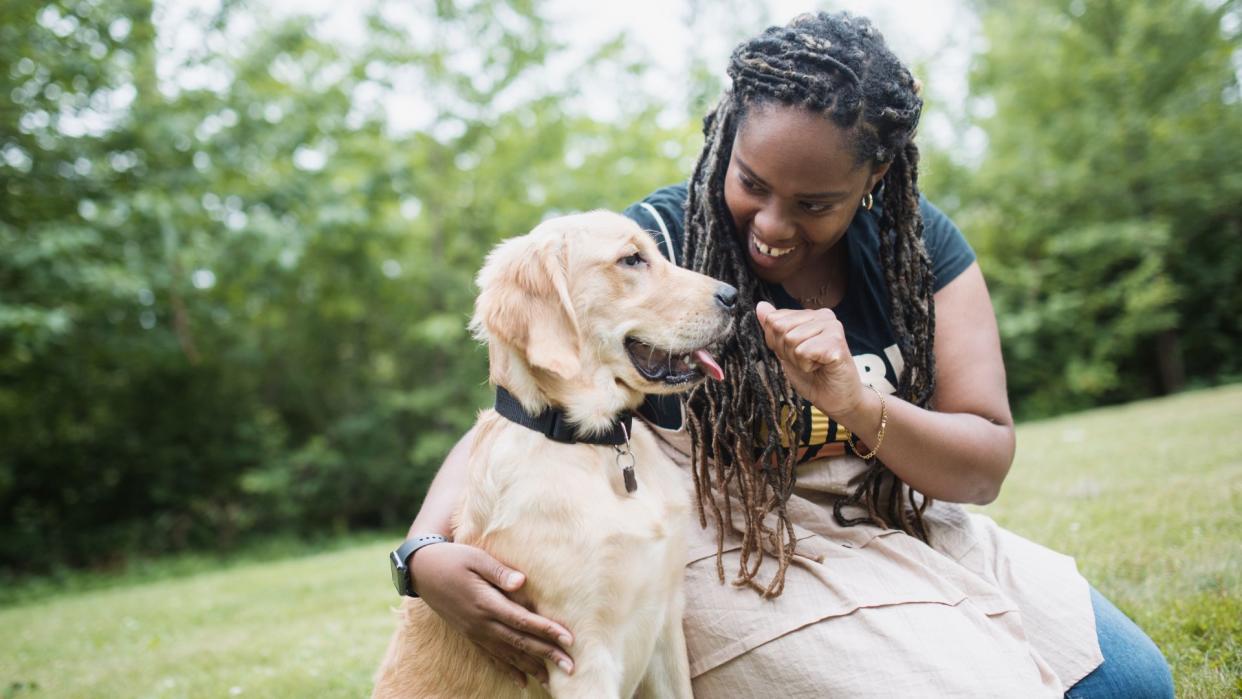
(1169, 360)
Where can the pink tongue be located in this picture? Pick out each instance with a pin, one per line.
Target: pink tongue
(708, 363)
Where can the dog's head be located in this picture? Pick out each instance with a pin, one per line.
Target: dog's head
(585, 313)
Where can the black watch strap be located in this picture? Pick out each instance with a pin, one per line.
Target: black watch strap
(399, 560)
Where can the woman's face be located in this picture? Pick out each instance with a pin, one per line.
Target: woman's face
(792, 187)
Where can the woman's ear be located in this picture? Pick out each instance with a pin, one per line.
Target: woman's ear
(878, 171)
(524, 302)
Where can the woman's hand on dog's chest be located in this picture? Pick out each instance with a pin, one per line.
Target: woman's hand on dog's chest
(812, 350)
(481, 597)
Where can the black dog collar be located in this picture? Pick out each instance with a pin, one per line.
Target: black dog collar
(552, 424)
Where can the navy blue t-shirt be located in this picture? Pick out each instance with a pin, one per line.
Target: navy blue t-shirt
(863, 311)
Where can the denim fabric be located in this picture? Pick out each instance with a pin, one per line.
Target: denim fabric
(1133, 666)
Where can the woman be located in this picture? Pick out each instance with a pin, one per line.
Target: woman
(853, 572)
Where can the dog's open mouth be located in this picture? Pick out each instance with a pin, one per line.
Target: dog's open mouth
(671, 367)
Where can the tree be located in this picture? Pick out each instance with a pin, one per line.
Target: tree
(241, 306)
(1106, 208)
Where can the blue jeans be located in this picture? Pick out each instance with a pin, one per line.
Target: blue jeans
(1133, 666)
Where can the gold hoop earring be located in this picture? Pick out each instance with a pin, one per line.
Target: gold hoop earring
(868, 201)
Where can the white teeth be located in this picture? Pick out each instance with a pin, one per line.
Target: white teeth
(685, 358)
(770, 251)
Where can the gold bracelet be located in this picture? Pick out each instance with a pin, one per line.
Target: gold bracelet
(879, 437)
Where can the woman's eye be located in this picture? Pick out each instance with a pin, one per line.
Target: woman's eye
(747, 182)
(631, 260)
(816, 207)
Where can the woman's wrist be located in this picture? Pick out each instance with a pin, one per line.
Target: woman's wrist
(865, 418)
(425, 525)
(412, 566)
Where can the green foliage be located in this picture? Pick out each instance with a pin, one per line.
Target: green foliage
(1076, 314)
(242, 306)
(1106, 207)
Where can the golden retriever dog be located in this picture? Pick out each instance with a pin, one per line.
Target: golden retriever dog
(585, 315)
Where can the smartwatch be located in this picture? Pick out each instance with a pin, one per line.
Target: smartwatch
(397, 561)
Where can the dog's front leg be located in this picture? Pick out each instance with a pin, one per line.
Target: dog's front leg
(668, 674)
(597, 674)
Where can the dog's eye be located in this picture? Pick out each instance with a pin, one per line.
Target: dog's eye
(631, 260)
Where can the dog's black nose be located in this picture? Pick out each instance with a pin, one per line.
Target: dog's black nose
(726, 296)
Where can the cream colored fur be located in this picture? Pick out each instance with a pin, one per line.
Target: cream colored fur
(555, 307)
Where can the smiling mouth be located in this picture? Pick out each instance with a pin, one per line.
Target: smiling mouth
(769, 250)
(672, 367)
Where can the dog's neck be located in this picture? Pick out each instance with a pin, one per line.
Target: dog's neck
(555, 425)
(592, 401)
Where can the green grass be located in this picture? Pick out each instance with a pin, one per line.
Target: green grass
(306, 627)
(1147, 497)
(147, 568)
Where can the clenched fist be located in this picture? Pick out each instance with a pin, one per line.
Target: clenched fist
(812, 349)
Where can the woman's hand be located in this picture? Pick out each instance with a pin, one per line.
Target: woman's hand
(812, 349)
(481, 598)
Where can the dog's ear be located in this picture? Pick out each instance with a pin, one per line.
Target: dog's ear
(524, 302)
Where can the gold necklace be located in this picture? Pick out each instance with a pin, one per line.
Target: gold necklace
(817, 299)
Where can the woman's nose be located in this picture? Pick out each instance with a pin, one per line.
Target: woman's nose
(773, 226)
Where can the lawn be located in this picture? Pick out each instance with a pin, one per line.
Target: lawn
(1147, 497)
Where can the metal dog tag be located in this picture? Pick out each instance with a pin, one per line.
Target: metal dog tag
(631, 483)
(625, 459)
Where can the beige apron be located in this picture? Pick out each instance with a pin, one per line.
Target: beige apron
(980, 613)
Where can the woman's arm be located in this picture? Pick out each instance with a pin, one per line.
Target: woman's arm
(435, 516)
(962, 450)
(959, 452)
(472, 591)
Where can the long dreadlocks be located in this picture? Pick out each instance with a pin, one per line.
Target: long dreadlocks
(837, 65)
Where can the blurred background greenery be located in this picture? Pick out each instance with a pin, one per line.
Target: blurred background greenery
(233, 293)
